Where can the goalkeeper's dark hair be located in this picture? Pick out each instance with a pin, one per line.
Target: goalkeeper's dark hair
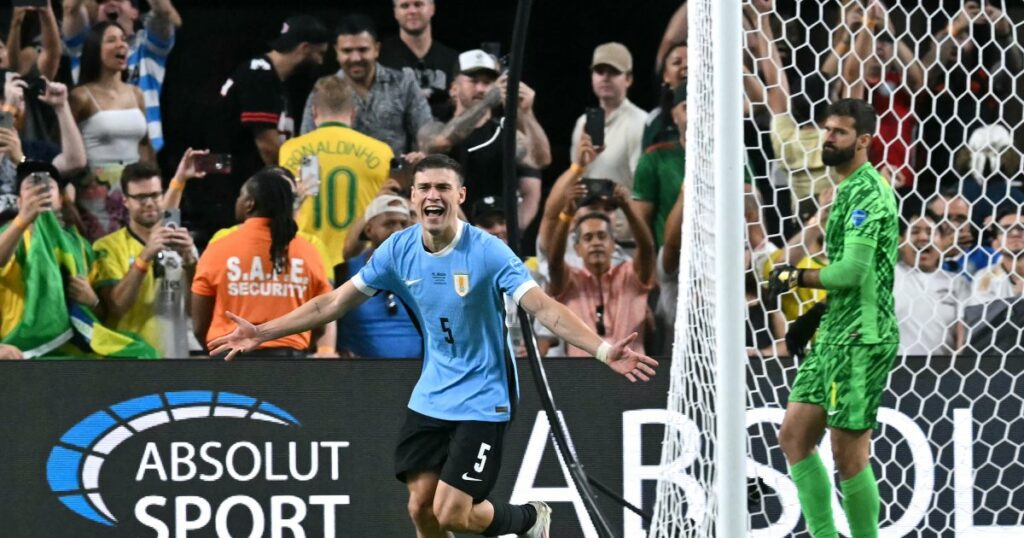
(273, 199)
(865, 120)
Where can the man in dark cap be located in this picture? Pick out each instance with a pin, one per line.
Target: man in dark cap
(254, 119)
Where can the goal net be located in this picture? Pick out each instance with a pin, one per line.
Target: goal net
(945, 80)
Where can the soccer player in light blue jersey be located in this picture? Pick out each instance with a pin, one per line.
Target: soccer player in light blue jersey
(452, 277)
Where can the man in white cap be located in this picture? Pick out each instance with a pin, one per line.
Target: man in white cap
(473, 136)
(611, 75)
(381, 326)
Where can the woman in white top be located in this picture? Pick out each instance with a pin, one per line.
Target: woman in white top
(112, 117)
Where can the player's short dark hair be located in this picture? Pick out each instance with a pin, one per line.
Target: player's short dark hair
(356, 24)
(439, 161)
(865, 120)
(139, 171)
(593, 215)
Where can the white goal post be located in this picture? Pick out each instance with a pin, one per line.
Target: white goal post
(944, 78)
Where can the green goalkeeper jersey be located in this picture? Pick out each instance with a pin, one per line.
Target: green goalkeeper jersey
(863, 211)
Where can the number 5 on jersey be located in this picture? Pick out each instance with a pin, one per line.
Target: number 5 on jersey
(448, 337)
(481, 458)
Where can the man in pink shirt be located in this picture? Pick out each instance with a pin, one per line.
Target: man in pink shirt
(612, 300)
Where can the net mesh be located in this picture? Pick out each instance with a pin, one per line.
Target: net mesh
(944, 79)
(684, 506)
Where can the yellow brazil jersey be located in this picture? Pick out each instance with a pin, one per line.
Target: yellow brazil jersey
(12, 281)
(353, 167)
(115, 254)
(318, 245)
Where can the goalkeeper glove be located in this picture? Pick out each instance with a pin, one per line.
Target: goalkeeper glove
(782, 279)
(802, 330)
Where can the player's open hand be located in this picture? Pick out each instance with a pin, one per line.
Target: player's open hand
(629, 363)
(245, 337)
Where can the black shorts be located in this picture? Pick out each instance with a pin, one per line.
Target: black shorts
(467, 454)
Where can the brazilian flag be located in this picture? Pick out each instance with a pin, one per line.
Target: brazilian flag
(50, 323)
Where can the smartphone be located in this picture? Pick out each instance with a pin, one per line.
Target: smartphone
(599, 188)
(213, 163)
(41, 179)
(594, 126)
(309, 174)
(6, 120)
(172, 217)
(30, 3)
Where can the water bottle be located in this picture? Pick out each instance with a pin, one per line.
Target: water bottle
(169, 308)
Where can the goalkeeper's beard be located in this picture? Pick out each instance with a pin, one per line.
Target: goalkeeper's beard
(833, 156)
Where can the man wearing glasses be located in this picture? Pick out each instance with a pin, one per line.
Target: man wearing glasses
(612, 300)
(380, 327)
(132, 261)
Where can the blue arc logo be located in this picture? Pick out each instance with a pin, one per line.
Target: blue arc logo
(73, 468)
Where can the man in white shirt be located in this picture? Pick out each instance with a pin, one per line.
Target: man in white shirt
(1004, 279)
(994, 317)
(928, 299)
(611, 75)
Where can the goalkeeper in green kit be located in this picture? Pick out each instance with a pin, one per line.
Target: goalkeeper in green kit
(839, 385)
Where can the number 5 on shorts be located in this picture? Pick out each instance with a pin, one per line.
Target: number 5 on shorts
(481, 458)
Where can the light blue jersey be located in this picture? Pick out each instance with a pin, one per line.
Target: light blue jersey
(456, 297)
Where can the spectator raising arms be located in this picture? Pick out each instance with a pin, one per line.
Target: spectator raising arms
(611, 300)
(112, 117)
(473, 136)
(29, 60)
(132, 260)
(611, 75)
(148, 48)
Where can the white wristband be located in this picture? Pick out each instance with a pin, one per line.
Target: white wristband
(602, 352)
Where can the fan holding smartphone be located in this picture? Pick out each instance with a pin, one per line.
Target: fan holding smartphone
(615, 127)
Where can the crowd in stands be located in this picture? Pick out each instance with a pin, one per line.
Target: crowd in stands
(100, 255)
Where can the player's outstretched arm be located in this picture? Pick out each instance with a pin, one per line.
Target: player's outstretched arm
(569, 327)
(321, 310)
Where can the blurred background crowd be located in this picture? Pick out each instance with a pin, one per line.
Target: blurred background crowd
(165, 161)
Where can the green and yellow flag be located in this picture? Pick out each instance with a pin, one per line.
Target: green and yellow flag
(49, 323)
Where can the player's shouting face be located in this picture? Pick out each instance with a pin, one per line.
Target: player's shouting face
(436, 195)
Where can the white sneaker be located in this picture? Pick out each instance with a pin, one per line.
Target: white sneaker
(542, 527)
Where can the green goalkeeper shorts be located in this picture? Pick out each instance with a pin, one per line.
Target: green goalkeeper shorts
(847, 381)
